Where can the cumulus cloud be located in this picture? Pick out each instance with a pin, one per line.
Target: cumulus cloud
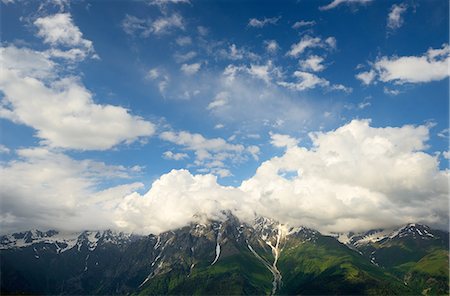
(336, 3)
(279, 140)
(58, 191)
(256, 23)
(271, 46)
(431, 66)
(265, 72)
(395, 17)
(59, 30)
(312, 63)
(190, 69)
(210, 154)
(234, 53)
(175, 156)
(301, 24)
(311, 42)
(183, 41)
(166, 2)
(306, 80)
(336, 185)
(61, 110)
(133, 25)
(220, 100)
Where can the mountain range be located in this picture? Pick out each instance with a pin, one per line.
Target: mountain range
(227, 257)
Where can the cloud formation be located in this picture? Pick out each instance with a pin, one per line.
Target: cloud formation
(335, 185)
(59, 30)
(431, 66)
(61, 109)
(256, 23)
(395, 16)
(336, 3)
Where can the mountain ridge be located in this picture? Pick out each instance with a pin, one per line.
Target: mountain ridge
(266, 257)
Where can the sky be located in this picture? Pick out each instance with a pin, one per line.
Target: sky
(142, 115)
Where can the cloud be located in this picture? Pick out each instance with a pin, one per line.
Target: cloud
(431, 66)
(183, 41)
(61, 109)
(312, 63)
(234, 53)
(4, 149)
(220, 100)
(162, 78)
(175, 156)
(265, 72)
(366, 77)
(301, 24)
(144, 27)
(311, 42)
(395, 17)
(166, 2)
(306, 80)
(279, 140)
(46, 189)
(335, 185)
(336, 3)
(164, 24)
(210, 154)
(256, 23)
(271, 46)
(59, 30)
(190, 69)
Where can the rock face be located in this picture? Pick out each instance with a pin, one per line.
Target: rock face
(226, 257)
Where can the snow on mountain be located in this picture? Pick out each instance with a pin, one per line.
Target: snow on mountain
(413, 230)
(63, 241)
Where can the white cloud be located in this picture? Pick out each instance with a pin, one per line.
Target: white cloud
(305, 81)
(312, 63)
(311, 42)
(165, 24)
(211, 154)
(335, 185)
(256, 23)
(235, 53)
(279, 140)
(182, 58)
(202, 31)
(265, 72)
(219, 126)
(366, 77)
(133, 25)
(432, 66)
(301, 24)
(190, 69)
(166, 2)
(45, 189)
(175, 156)
(183, 41)
(336, 3)
(391, 92)
(395, 17)
(62, 110)
(271, 46)
(446, 154)
(220, 100)
(59, 30)
(4, 149)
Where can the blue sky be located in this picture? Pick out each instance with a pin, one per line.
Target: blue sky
(123, 92)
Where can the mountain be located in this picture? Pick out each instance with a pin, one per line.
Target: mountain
(226, 257)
